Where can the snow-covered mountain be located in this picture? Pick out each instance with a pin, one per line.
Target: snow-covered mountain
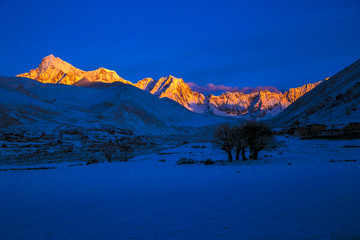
(173, 88)
(18, 108)
(34, 105)
(54, 70)
(334, 102)
(258, 104)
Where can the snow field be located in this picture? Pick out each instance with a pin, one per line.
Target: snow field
(150, 199)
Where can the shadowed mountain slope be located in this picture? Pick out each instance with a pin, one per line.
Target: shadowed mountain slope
(24, 101)
(334, 102)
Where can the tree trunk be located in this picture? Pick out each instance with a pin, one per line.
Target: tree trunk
(237, 157)
(255, 155)
(251, 153)
(229, 156)
(243, 154)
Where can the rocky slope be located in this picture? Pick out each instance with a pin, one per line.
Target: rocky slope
(258, 104)
(334, 102)
(55, 70)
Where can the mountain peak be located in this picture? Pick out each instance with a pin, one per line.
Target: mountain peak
(146, 84)
(54, 70)
(106, 70)
(51, 60)
(50, 57)
(245, 101)
(47, 61)
(177, 90)
(174, 80)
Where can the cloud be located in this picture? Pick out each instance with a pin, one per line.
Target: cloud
(251, 89)
(211, 88)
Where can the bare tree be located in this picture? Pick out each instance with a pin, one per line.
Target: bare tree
(240, 143)
(223, 138)
(257, 136)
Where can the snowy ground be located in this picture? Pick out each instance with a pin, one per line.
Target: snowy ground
(306, 189)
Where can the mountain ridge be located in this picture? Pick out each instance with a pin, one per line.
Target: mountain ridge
(257, 104)
(54, 70)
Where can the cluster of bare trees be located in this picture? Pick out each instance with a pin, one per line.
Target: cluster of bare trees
(253, 135)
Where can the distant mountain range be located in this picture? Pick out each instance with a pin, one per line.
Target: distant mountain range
(245, 102)
(101, 99)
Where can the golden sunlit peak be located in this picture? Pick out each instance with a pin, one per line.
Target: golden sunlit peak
(105, 69)
(171, 77)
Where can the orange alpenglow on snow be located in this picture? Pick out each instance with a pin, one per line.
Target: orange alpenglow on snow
(54, 70)
(257, 103)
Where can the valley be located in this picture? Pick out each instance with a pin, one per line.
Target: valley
(179, 120)
(110, 144)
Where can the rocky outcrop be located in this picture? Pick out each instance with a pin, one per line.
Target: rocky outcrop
(55, 70)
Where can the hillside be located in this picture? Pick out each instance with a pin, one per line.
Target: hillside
(334, 102)
(25, 101)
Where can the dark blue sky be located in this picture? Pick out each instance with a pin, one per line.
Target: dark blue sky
(234, 43)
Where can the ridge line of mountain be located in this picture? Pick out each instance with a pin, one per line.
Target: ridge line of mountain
(257, 104)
